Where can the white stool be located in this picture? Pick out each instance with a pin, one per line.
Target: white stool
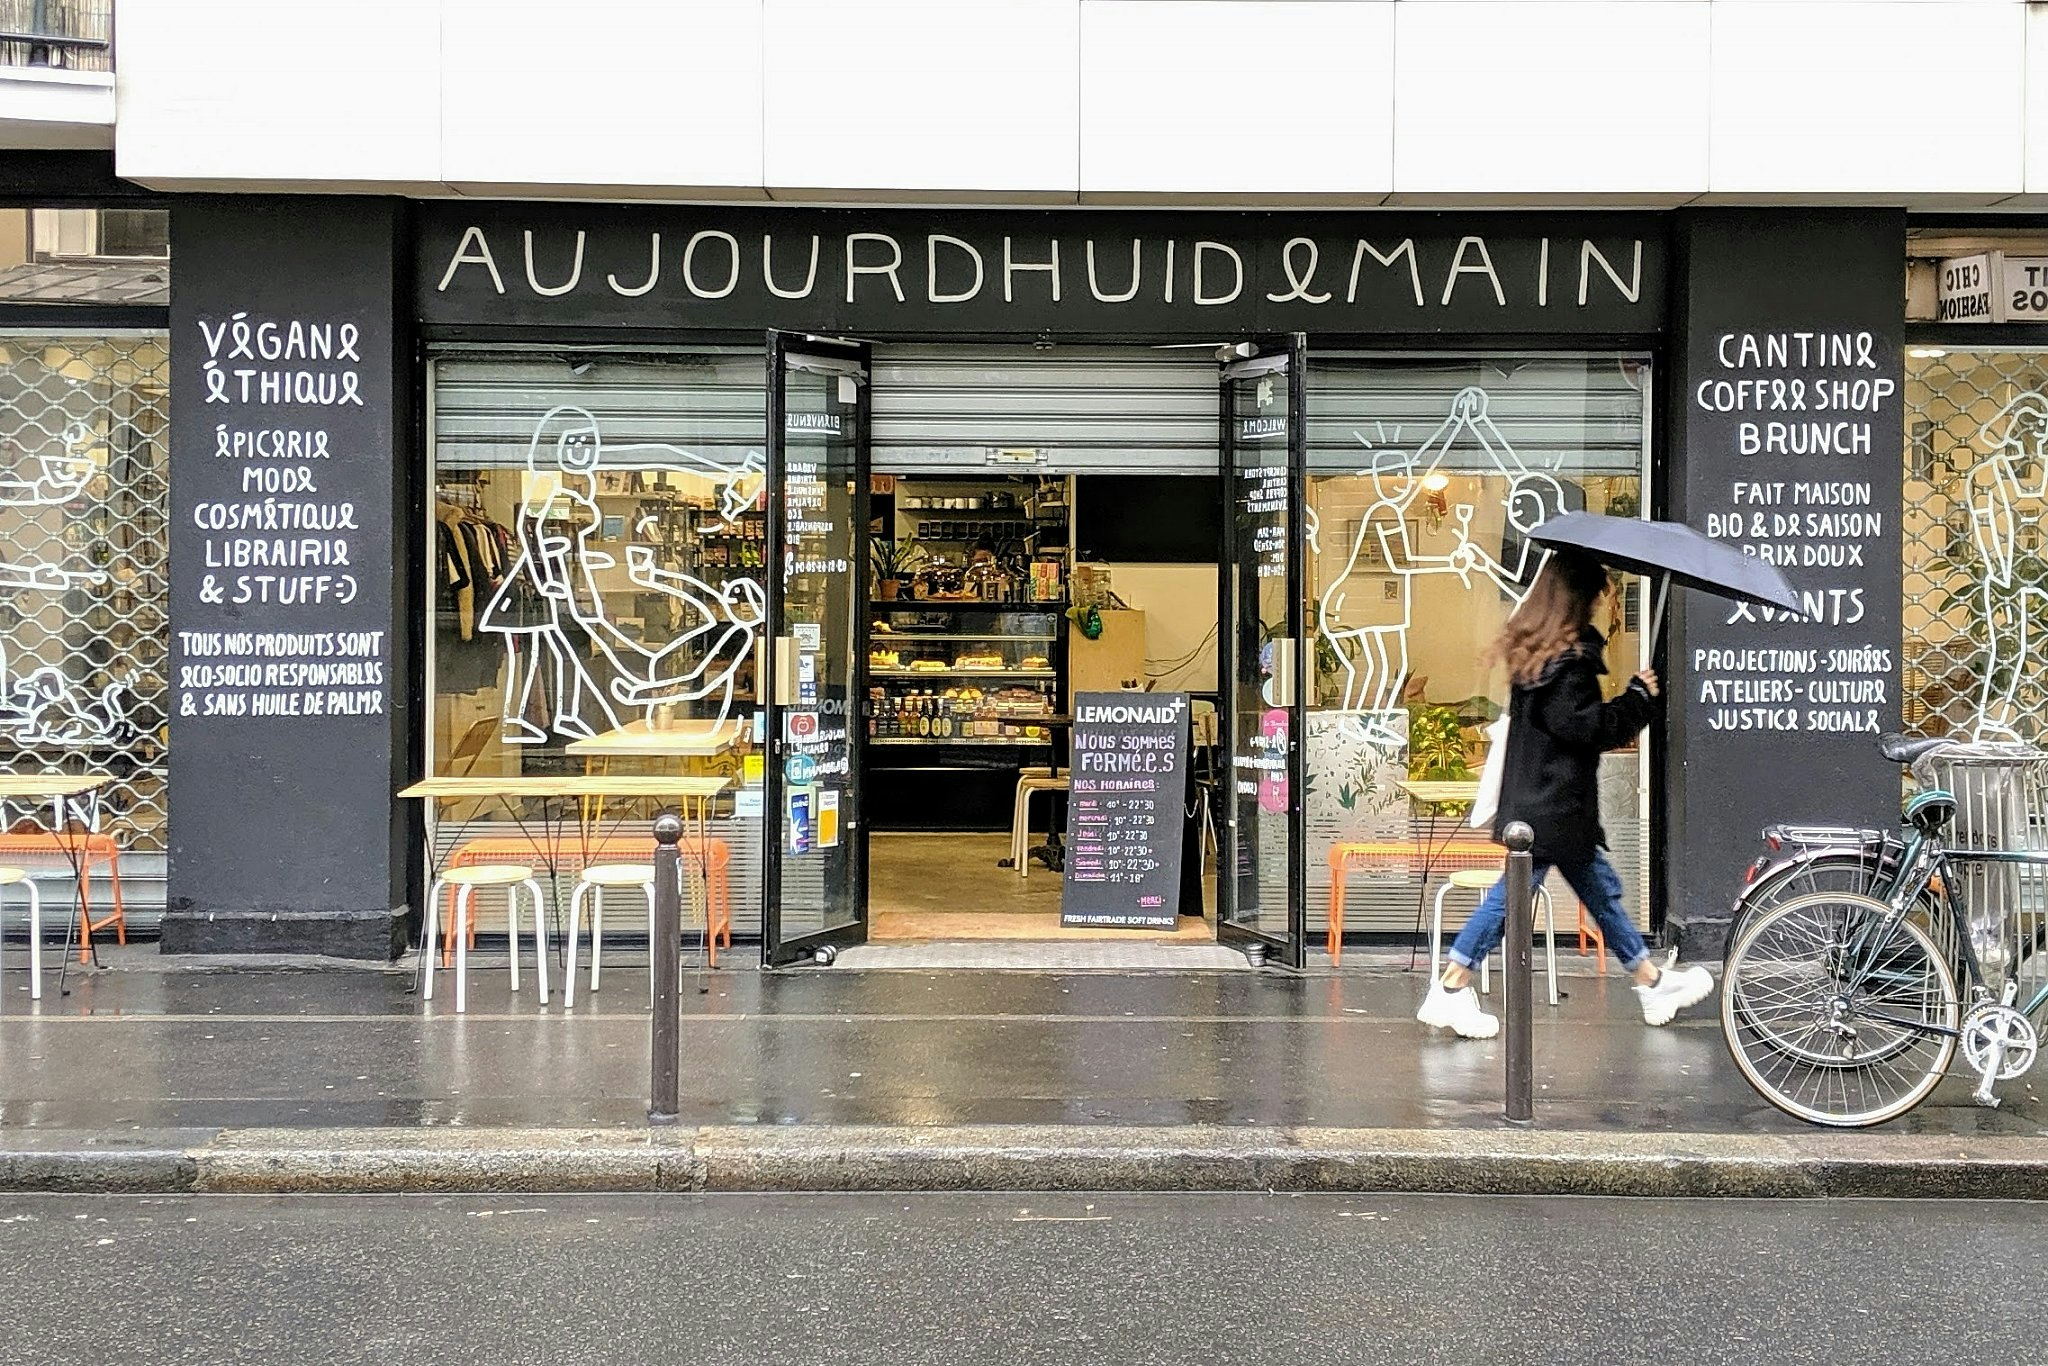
(512, 877)
(1020, 818)
(18, 877)
(1481, 880)
(592, 883)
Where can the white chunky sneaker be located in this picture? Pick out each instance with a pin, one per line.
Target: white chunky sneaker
(1673, 991)
(1458, 1011)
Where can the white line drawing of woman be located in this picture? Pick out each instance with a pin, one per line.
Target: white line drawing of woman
(541, 587)
(2015, 469)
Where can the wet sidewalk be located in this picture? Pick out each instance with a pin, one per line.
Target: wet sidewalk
(149, 1044)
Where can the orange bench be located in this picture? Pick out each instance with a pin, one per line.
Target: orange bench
(579, 854)
(1345, 857)
(84, 849)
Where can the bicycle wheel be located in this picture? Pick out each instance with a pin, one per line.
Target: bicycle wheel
(1836, 1014)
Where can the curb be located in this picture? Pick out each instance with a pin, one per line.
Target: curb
(1037, 1158)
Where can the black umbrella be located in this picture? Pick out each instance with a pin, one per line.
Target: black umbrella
(1671, 552)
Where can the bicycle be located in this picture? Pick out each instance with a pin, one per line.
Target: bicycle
(1841, 1006)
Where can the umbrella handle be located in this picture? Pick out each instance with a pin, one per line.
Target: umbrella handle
(1657, 616)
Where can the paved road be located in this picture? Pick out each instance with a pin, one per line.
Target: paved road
(968, 1280)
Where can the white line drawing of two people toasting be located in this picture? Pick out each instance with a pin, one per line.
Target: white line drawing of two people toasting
(1373, 657)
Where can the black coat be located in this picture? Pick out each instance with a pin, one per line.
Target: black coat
(1557, 731)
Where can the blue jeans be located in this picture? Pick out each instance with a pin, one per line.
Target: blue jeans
(1596, 883)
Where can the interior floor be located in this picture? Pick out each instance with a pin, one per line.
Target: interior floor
(949, 887)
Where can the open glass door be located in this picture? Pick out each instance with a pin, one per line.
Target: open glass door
(814, 879)
(1264, 445)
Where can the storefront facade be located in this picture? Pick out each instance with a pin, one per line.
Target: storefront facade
(385, 397)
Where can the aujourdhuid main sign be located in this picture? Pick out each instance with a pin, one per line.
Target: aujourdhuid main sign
(904, 272)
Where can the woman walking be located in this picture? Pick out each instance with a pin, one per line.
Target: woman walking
(1557, 731)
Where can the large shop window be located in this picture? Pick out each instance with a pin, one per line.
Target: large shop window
(597, 560)
(83, 630)
(1424, 476)
(1976, 572)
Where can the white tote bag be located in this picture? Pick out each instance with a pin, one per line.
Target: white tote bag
(1488, 800)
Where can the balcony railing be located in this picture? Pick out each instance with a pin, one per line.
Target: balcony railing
(70, 35)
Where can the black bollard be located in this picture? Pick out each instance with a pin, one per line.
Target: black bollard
(1518, 972)
(663, 952)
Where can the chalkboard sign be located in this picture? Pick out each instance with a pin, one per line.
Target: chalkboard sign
(1130, 776)
(290, 569)
(1793, 438)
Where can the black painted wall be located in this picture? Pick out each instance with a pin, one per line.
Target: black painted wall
(291, 595)
(1752, 697)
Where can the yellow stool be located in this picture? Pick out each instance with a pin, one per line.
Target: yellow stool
(18, 877)
(1481, 880)
(512, 877)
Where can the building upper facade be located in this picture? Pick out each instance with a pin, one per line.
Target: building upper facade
(1929, 103)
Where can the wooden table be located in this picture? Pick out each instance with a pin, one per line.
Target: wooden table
(1439, 793)
(688, 739)
(70, 794)
(693, 796)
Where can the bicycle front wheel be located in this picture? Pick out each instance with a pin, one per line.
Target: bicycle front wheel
(1837, 1013)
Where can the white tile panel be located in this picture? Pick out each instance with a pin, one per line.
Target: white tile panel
(635, 93)
(1565, 97)
(1237, 97)
(2037, 100)
(922, 95)
(335, 92)
(1873, 98)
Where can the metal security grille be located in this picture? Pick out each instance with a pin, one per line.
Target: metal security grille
(84, 450)
(1975, 657)
(1093, 410)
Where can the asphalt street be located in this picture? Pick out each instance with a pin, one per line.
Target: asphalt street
(1007, 1281)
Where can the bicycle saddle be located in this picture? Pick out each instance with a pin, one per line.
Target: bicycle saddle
(1904, 749)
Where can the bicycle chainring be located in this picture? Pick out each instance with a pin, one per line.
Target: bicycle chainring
(1987, 1025)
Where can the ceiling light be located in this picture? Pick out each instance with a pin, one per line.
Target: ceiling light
(1926, 353)
(1436, 483)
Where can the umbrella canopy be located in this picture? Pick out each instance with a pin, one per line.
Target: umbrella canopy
(1673, 552)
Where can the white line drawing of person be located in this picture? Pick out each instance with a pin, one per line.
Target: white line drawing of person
(1374, 658)
(52, 480)
(732, 617)
(49, 709)
(553, 577)
(2016, 468)
(1533, 497)
(541, 587)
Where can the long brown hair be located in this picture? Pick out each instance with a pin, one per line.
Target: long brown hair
(1549, 621)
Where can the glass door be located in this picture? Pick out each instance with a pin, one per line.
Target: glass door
(1264, 443)
(815, 874)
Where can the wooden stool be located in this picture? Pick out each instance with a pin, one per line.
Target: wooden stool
(1481, 880)
(18, 877)
(1020, 817)
(512, 877)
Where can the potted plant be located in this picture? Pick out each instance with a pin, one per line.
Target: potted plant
(1436, 744)
(894, 561)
